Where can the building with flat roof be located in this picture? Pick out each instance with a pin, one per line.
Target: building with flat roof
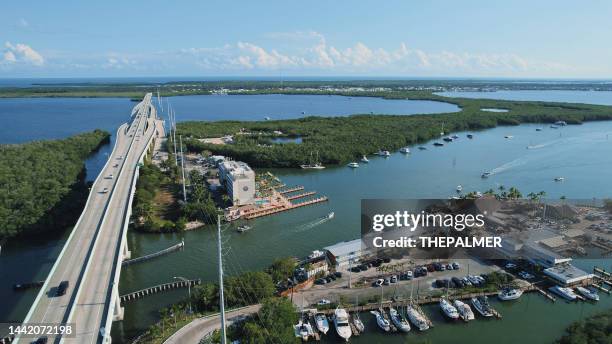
(239, 181)
(341, 254)
(567, 275)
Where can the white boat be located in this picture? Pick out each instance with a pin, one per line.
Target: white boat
(399, 321)
(381, 321)
(384, 153)
(481, 303)
(365, 159)
(267, 118)
(330, 215)
(322, 323)
(459, 188)
(566, 293)
(485, 175)
(313, 164)
(303, 330)
(508, 294)
(559, 179)
(416, 318)
(589, 294)
(405, 150)
(316, 254)
(341, 322)
(508, 136)
(243, 228)
(352, 165)
(448, 309)
(358, 323)
(465, 312)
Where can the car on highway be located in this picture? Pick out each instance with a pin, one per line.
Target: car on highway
(41, 340)
(120, 157)
(105, 190)
(110, 176)
(116, 165)
(61, 289)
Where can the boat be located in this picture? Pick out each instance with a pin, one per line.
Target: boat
(459, 188)
(330, 215)
(470, 136)
(316, 254)
(438, 144)
(352, 165)
(358, 323)
(399, 321)
(405, 150)
(481, 303)
(454, 137)
(538, 129)
(448, 309)
(554, 127)
(485, 175)
(365, 159)
(313, 165)
(267, 118)
(465, 312)
(559, 179)
(341, 322)
(589, 294)
(422, 148)
(508, 137)
(322, 323)
(416, 318)
(303, 330)
(561, 123)
(384, 153)
(508, 294)
(243, 228)
(448, 139)
(381, 321)
(566, 293)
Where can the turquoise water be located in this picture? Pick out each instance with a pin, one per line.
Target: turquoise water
(587, 97)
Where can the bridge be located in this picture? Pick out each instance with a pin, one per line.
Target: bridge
(91, 258)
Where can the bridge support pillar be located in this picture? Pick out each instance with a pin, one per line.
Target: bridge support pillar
(118, 310)
(126, 252)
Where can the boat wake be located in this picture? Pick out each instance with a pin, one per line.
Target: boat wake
(509, 165)
(312, 224)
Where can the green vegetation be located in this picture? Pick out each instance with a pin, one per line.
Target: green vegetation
(596, 329)
(273, 324)
(200, 205)
(342, 139)
(42, 182)
(243, 290)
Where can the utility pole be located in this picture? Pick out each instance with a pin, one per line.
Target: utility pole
(183, 167)
(174, 137)
(221, 299)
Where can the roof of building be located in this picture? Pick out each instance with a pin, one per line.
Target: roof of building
(237, 169)
(567, 273)
(553, 242)
(344, 248)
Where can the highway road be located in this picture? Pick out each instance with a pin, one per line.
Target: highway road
(92, 255)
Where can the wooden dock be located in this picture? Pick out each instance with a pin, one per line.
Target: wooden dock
(301, 195)
(275, 210)
(290, 190)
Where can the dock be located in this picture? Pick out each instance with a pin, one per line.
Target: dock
(158, 289)
(290, 190)
(301, 195)
(170, 249)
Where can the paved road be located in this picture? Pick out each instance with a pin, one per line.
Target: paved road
(193, 332)
(96, 237)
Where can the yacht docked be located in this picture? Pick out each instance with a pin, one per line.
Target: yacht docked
(508, 294)
(405, 150)
(352, 165)
(322, 323)
(589, 294)
(448, 309)
(381, 321)
(357, 322)
(384, 153)
(566, 293)
(399, 321)
(303, 330)
(459, 188)
(365, 159)
(481, 303)
(342, 324)
(465, 312)
(416, 318)
(313, 164)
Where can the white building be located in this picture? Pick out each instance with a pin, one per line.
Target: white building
(239, 181)
(342, 253)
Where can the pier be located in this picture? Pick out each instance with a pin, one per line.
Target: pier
(158, 289)
(302, 195)
(290, 190)
(170, 249)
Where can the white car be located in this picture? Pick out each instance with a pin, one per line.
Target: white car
(105, 190)
(120, 157)
(379, 282)
(323, 302)
(510, 266)
(110, 176)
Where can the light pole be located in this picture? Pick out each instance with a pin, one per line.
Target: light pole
(188, 288)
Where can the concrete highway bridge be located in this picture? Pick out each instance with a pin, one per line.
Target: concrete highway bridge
(90, 260)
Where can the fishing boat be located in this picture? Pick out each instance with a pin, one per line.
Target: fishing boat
(422, 148)
(538, 129)
(448, 309)
(448, 139)
(365, 159)
(416, 318)
(454, 137)
(566, 293)
(322, 323)
(481, 303)
(459, 188)
(438, 144)
(470, 136)
(330, 215)
(508, 137)
(357, 322)
(399, 321)
(341, 322)
(485, 175)
(316, 254)
(561, 123)
(559, 179)
(589, 294)
(381, 321)
(243, 228)
(303, 330)
(465, 312)
(313, 164)
(384, 153)
(352, 165)
(405, 150)
(508, 294)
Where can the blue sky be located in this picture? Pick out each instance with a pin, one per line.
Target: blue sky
(540, 39)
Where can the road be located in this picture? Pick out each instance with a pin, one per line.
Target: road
(89, 258)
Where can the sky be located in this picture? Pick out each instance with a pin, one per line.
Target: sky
(404, 38)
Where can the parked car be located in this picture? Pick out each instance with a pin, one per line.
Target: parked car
(510, 265)
(378, 282)
(338, 274)
(320, 281)
(394, 279)
(387, 281)
(450, 267)
(431, 267)
(456, 266)
(459, 283)
(323, 302)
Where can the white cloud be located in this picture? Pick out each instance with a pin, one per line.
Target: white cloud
(22, 53)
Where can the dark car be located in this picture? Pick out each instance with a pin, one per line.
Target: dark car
(431, 268)
(329, 279)
(61, 289)
(437, 266)
(386, 259)
(338, 274)
(459, 283)
(41, 340)
(363, 267)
